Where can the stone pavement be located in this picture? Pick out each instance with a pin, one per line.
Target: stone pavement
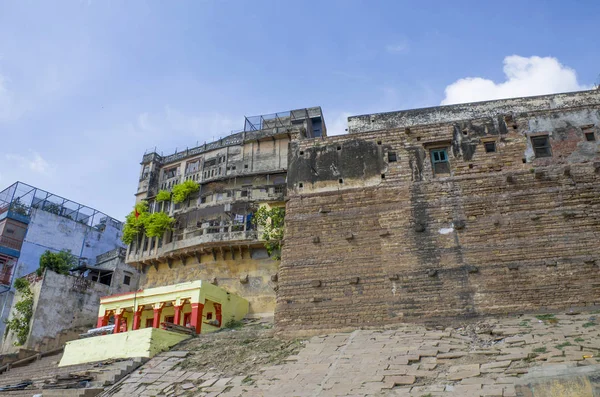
(490, 358)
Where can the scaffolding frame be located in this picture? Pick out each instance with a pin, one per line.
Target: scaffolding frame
(20, 199)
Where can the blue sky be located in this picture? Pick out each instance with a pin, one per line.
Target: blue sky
(87, 86)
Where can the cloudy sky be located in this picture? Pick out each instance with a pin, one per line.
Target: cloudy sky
(87, 86)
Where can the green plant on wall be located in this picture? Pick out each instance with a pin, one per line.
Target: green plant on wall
(140, 221)
(18, 207)
(157, 224)
(52, 208)
(163, 195)
(19, 323)
(183, 191)
(134, 222)
(59, 262)
(271, 222)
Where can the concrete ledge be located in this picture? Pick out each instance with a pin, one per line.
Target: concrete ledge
(146, 342)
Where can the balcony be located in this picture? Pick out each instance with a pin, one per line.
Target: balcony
(193, 240)
(7, 265)
(11, 243)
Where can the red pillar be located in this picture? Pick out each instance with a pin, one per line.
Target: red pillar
(117, 323)
(177, 319)
(137, 318)
(102, 321)
(218, 314)
(196, 321)
(156, 321)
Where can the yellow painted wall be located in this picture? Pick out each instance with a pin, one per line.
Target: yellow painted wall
(140, 343)
(259, 291)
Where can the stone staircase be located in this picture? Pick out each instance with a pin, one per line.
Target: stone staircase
(47, 379)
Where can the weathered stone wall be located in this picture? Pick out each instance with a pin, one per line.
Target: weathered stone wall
(61, 303)
(372, 241)
(228, 272)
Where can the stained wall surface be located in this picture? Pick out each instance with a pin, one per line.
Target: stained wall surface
(249, 273)
(374, 236)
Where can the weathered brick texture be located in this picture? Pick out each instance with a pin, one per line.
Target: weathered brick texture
(377, 241)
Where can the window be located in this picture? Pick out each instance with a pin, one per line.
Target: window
(209, 316)
(192, 167)
(169, 319)
(127, 280)
(149, 322)
(439, 160)
(245, 165)
(170, 173)
(589, 136)
(244, 193)
(541, 146)
(392, 157)
(490, 147)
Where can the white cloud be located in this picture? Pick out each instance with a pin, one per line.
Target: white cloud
(524, 77)
(400, 47)
(34, 162)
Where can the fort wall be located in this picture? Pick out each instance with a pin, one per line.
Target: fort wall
(376, 234)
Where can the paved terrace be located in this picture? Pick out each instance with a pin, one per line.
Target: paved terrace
(495, 357)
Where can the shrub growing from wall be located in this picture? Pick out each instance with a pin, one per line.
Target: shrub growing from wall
(21, 320)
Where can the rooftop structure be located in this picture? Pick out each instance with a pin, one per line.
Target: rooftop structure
(19, 199)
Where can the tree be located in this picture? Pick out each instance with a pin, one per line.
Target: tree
(271, 221)
(59, 262)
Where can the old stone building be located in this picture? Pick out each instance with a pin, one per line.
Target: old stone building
(214, 238)
(417, 215)
(444, 212)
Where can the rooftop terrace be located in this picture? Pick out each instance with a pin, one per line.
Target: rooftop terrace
(255, 127)
(20, 198)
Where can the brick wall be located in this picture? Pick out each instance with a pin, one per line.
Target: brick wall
(375, 241)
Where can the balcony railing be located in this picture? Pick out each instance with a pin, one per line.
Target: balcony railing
(11, 243)
(193, 239)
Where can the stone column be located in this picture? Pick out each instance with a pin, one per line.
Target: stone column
(218, 314)
(197, 309)
(137, 317)
(178, 309)
(157, 312)
(103, 320)
(118, 314)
